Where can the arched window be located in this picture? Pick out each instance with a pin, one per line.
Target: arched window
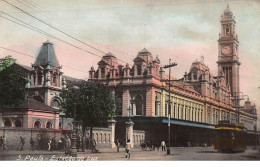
(97, 137)
(7, 122)
(136, 139)
(39, 79)
(37, 124)
(18, 123)
(54, 80)
(109, 138)
(101, 140)
(139, 70)
(102, 73)
(139, 105)
(156, 106)
(55, 104)
(105, 138)
(48, 125)
(60, 126)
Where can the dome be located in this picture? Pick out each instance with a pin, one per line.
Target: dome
(47, 56)
(109, 59)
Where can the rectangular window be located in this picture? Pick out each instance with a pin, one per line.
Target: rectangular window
(185, 113)
(178, 112)
(174, 108)
(166, 110)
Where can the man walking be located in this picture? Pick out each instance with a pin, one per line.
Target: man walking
(49, 144)
(117, 145)
(22, 142)
(32, 144)
(94, 144)
(127, 149)
(163, 146)
(1, 143)
(4, 144)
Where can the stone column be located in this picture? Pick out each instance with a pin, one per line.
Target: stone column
(112, 124)
(130, 132)
(126, 102)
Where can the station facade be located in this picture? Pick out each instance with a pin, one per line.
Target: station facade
(197, 101)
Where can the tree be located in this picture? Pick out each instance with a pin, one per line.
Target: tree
(12, 84)
(94, 104)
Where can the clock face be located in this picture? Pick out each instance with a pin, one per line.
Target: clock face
(226, 50)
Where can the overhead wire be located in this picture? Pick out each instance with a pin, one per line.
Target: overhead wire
(53, 27)
(45, 33)
(52, 15)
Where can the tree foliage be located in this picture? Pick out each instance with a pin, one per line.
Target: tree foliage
(94, 103)
(12, 85)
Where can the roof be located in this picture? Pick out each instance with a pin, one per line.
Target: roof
(47, 56)
(144, 50)
(34, 104)
(26, 67)
(197, 65)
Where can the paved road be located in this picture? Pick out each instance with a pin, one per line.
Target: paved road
(177, 153)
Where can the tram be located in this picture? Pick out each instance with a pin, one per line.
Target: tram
(230, 137)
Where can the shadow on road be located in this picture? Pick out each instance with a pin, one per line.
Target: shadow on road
(207, 152)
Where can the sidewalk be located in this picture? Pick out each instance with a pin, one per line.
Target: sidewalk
(100, 150)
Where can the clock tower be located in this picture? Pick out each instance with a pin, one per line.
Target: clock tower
(228, 60)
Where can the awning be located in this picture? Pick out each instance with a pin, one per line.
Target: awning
(186, 123)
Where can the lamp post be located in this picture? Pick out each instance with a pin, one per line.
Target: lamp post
(129, 120)
(73, 139)
(62, 114)
(169, 104)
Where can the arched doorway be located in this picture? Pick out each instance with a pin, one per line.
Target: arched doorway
(7, 122)
(18, 123)
(37, 124)
(49, 125)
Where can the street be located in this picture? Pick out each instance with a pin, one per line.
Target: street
(108, 154)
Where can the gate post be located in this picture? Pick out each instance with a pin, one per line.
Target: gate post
(112, 125)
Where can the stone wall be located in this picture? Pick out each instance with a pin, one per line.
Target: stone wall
(13, 136)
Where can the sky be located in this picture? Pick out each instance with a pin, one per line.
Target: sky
(183, 30)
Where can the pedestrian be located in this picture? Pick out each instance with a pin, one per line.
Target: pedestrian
(53, 144)
(32, 144)
(117, 145)
(67, 144)
(4, 144)
(94, 144)
(1, 143)
(22, 142)
(163, 145)
(60, 144)
(127, 149)
(78, 143)
(87, 143)
(49, 144)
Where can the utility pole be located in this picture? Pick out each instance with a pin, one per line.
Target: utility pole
(169, 104)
